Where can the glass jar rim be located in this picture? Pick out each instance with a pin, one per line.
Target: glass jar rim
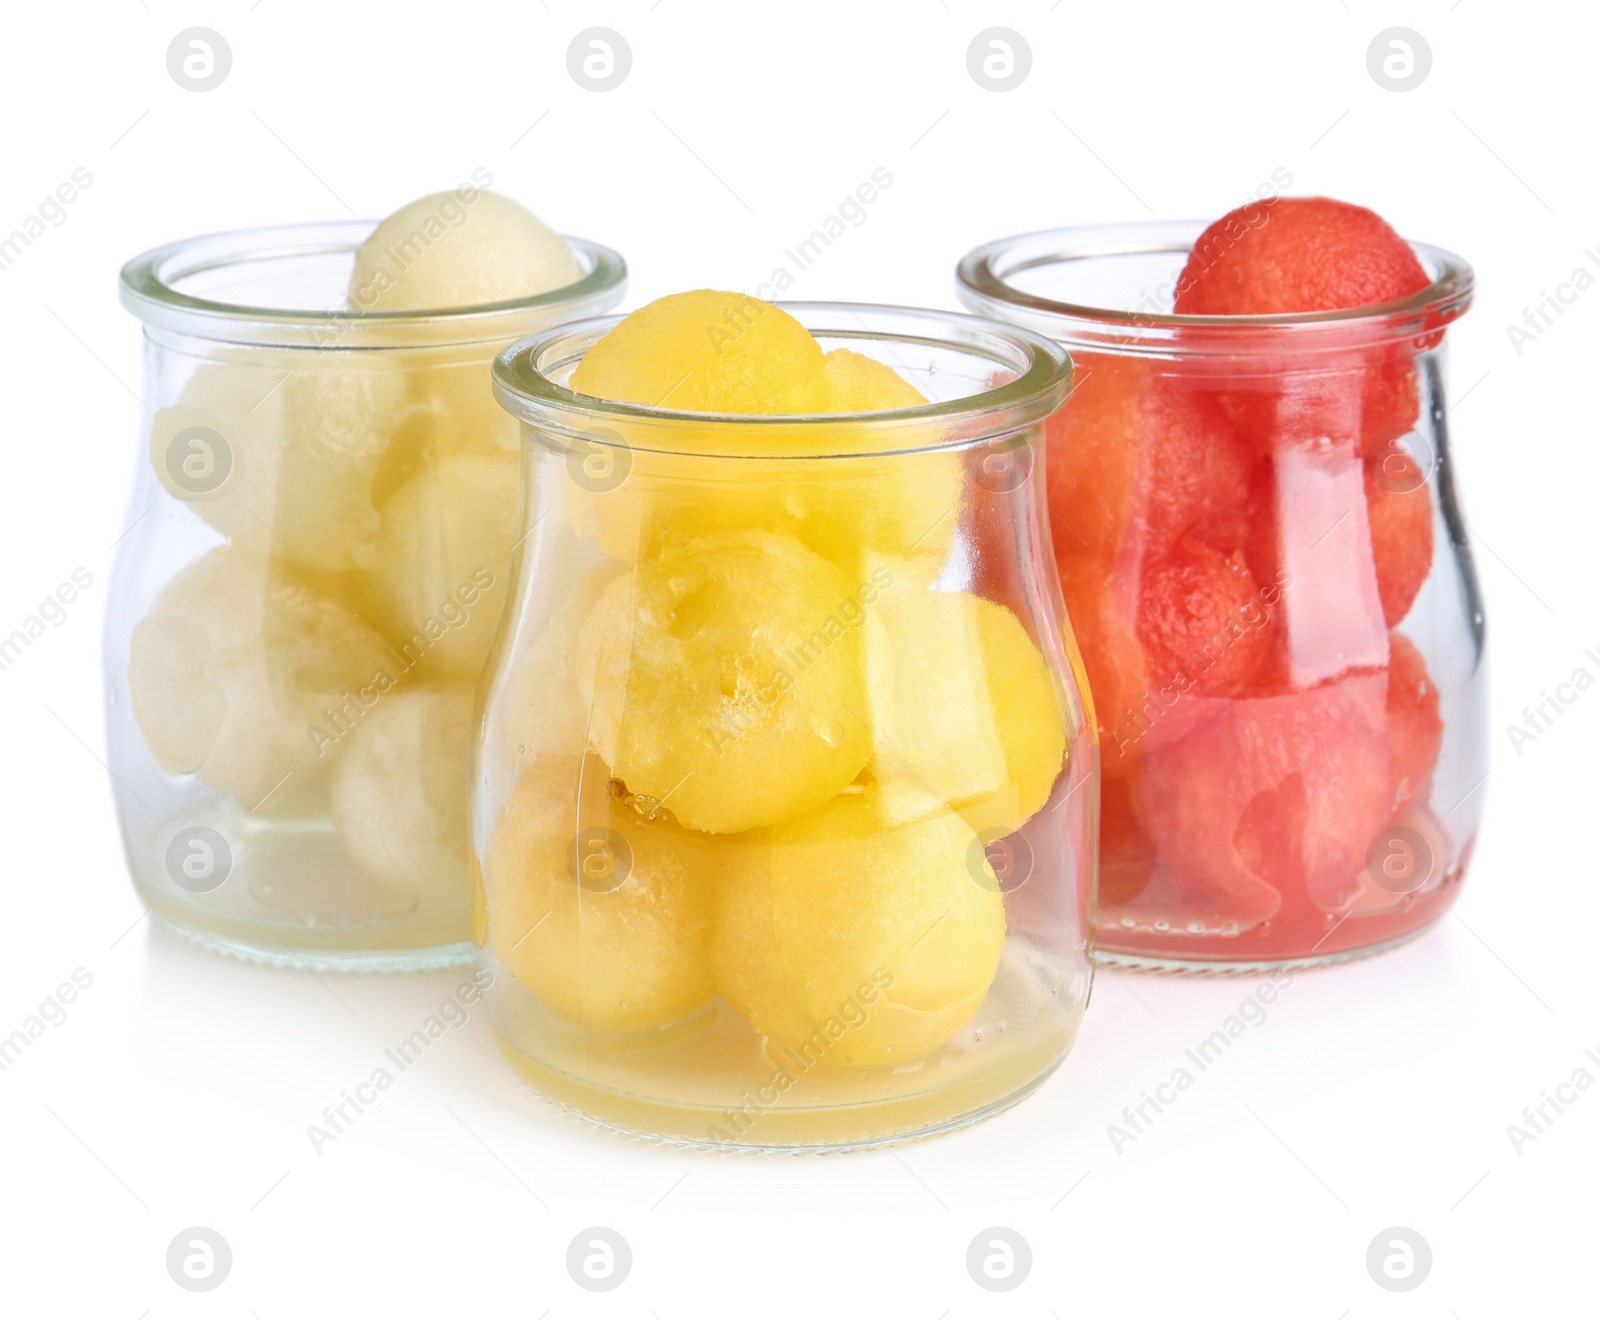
(524, 386)
(984, 283)
(149, 289)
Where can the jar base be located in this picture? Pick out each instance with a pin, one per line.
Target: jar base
(822, 1131)
(316, 951)
(1137, 962)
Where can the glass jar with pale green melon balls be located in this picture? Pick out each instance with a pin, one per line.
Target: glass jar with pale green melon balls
(314, 561)
(784, 815)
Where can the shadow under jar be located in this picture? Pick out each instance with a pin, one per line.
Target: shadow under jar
(784, 811)
(317, 551)
(1264, 564)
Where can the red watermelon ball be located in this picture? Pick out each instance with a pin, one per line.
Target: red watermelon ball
(1400, 514)
(1140, 456)
(1296, 254)
(1203, 620)
(1415, 727)
(1309, 254)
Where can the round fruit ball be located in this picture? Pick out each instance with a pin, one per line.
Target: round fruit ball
(598, 911)
(280, 452)
(441, 560)
(859, 935)
(708, 351)
(399, 792)
(1138, 457)
(1309, 254)
(248, 675)
(726, 353)
(458, 249)
(1203, 620)
(1416, 730)
(729, 680)
(1296, 254)
(1400, 515)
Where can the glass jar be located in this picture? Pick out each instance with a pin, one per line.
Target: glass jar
(1256, 526)
(784, 812)
(315, 558)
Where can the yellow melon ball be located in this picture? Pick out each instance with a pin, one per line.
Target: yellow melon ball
(280, 451)
(247, 674)
(707, 351)
(856, 937)
(538, 703)
(975, 719)
(899, 510)
(858, 383)
(458, 249)
(441, 559)
(399, 792)
(729, 679)
(598, 911)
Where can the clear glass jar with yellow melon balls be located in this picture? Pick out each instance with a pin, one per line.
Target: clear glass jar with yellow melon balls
(312, 567)
(784, 815)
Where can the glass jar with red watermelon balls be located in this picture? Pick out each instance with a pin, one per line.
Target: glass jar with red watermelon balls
(1266, 571)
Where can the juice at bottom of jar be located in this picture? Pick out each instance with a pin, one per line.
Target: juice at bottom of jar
(712, 1080)
(283, 890)
(1299, 934)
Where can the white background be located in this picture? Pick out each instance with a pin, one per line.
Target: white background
(179, 1089)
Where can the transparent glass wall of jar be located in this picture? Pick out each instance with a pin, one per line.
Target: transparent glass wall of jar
(784, 810)
(315, 556)
(1265, 565)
